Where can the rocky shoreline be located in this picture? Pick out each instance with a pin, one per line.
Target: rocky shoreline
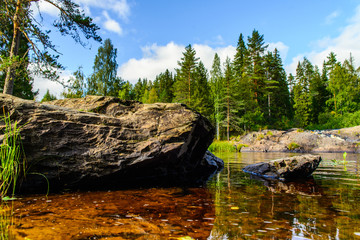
(303, 141)
(106, 142)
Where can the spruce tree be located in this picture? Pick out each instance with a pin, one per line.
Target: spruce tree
(276, 89)
(216, 92)
(164, 85)
(302, 96)
(230, 102)
(186, 76)
(255, 64)
(202, 101)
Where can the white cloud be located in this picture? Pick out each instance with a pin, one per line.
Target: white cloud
(44, 7)
(331, 17)
(157, 59)
(111, 25)
(42, 84)
(345, 43)
(120, 7)
(281, 47)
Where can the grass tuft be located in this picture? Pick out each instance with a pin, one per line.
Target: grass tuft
(222, 146)
(11, 157)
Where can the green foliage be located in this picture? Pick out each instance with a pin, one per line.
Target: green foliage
(11, 156)
(222, 146)
(260, 136)
(240, 146)
(18, 22)
(186, 75)
(293, 146)
(103, 81)
(269, 133)
(76, 85)
(48, 97)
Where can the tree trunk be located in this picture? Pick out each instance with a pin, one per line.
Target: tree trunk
(228, 111)
(14, 50)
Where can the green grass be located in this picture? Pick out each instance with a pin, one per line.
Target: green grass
(222, 146)
(11, 156)
(293, 146)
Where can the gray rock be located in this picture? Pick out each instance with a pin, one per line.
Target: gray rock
(286, 168)
(297, 140)
(108, 142)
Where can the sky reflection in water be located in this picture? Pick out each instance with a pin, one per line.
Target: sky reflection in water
(233, 205)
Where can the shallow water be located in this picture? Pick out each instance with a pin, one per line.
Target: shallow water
(232, 206)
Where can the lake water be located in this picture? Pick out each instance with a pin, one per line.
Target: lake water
(233, 205)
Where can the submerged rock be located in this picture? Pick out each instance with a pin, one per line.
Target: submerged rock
(286, 168)
(108, 142)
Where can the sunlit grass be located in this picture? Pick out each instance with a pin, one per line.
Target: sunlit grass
(222, 146)
(11, 156)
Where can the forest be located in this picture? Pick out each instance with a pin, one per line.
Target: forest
(250, 92)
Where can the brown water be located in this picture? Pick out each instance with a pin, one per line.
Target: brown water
(232, 206)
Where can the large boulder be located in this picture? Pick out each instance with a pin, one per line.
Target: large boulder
(286, 168)
(108, 142)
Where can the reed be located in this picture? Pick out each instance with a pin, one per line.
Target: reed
(222, 146)
(11, 156)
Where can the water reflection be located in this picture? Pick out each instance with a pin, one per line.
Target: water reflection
(317, 208)
(132, 214)
(234, 205)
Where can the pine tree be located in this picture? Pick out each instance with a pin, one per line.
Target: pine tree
(302, 96)
(319, 94)
(71, 21)
(255, 64)
(202, 101)
(216, 90)
(48, 96)
(276, 89)
(231, 103)
(23, 81)
(186, 76)
(140, 88)
(164, 85)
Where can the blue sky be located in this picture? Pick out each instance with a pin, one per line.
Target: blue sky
(151, 35)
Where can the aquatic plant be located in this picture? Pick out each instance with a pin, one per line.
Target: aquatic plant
(222, 146)
(11, 156)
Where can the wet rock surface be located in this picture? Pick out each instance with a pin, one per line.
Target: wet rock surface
(298, 167)
(102, 142)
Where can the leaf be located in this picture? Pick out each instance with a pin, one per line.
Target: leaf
(6, 198)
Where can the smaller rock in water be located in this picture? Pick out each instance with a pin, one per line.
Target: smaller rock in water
(286, 168)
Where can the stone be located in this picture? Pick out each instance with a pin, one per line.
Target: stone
(297, 167)
(302, 141)
(107, 142)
